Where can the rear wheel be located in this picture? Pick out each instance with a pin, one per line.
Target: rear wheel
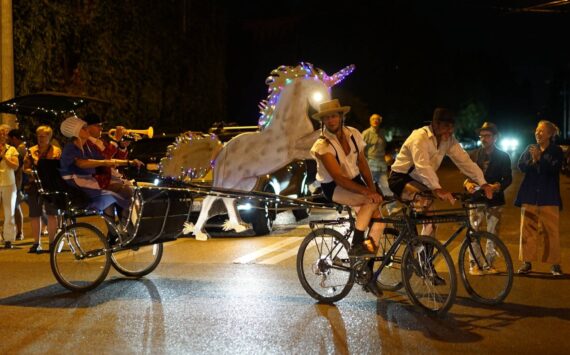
(323, 266)
(390, 279)
(80, 258)
(486, 268)
(137, 261)
(429, 275)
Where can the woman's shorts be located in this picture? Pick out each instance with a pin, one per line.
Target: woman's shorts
(36, 205)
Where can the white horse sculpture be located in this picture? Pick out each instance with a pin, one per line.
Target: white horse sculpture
(286, 133)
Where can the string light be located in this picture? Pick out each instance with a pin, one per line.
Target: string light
(286, 75)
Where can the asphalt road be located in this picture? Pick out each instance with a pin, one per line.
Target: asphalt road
(242, 296)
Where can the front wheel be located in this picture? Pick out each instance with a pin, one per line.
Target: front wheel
(323, 266)
(486, 268)
(137, 261)
(80, 258)
(429, 275)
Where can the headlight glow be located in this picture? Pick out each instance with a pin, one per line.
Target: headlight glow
(509, 144)
(245, 207)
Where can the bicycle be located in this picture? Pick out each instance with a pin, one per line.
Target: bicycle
(328, 274)
(487, 253)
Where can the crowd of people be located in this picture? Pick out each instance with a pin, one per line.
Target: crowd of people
(351, 170)
(351, 164)
(86, 162)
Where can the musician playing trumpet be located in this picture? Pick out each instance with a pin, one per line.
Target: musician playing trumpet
(108, 177)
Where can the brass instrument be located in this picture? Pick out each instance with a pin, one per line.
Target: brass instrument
(147, 132)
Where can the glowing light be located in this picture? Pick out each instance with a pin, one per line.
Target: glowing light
(317, 97)
(509, 144)
(245, 207)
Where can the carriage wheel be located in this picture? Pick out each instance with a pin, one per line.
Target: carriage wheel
(79, 257)
(137, 261)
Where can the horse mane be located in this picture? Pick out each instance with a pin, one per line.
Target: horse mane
(284, 75)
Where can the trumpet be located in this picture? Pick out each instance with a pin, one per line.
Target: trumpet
(147, 132)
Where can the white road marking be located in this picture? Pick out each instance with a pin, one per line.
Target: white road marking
(284, 255)
(251, 257)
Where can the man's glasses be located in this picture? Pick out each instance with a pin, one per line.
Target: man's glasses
(485, 136)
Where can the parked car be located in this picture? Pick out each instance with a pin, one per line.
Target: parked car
(393, 148)
(292, 180)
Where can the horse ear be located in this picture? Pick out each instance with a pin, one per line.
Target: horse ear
(339, 76)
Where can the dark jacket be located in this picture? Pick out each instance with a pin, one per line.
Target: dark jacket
(541, 182)
(499, 170)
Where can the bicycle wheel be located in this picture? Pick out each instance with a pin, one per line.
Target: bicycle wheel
(390, 279)
(137, 261)
(486, 268)
(323, 266)
(79, 258)
(429, 275)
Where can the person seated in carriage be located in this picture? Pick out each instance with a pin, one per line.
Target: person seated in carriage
(78, 167)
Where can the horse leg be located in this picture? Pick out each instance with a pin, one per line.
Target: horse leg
(198, 229)
(235, 222)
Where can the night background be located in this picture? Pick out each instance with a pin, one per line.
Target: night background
(183, 64)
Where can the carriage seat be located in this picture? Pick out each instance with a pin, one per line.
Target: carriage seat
(55, 191)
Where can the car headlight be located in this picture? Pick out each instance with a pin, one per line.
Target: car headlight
(509, 144)
(245, 207)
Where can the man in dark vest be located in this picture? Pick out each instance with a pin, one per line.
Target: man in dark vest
(496, 166)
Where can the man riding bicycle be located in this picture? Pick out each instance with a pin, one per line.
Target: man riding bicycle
(345, 177)
(416, 165)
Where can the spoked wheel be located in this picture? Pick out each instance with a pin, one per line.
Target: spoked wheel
(80, 258)
(390, 279)
(486, 268)
(137, 261)
(429, 275)
(323, 265)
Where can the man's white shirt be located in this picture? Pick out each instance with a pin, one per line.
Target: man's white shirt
(420, 151)
(348, 162)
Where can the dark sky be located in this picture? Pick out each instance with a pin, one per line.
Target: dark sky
(410, 56)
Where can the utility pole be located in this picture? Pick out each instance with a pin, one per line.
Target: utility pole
(6, 58)
(565, 110)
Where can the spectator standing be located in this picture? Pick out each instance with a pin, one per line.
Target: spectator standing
(539, 199)
(375, 150)
(16, 140)
(496, 167)
(8, 165)
(43, 150)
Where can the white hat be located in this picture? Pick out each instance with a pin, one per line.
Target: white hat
(71, 126)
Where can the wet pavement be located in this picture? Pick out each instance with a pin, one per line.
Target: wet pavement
(242, 296)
